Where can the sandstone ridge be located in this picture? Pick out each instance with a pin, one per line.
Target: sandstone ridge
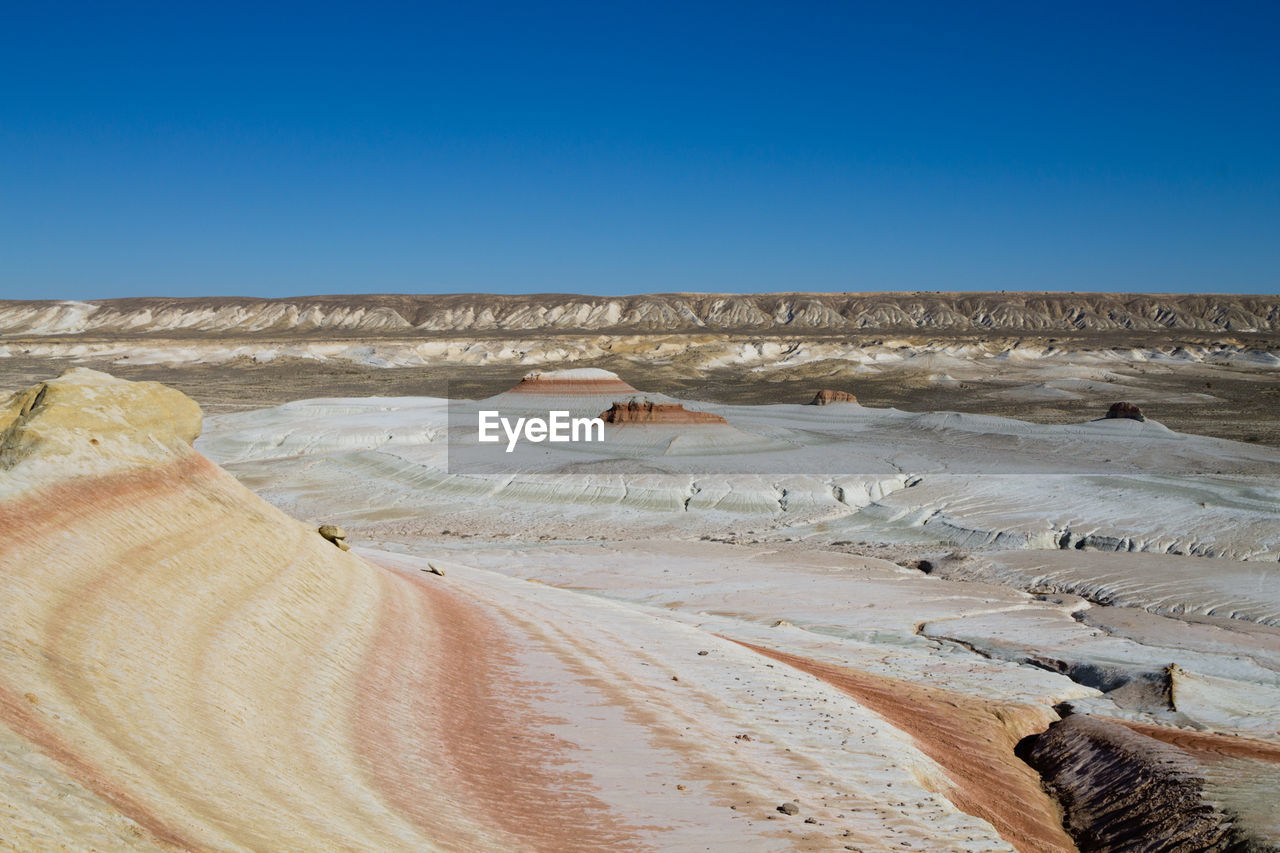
(649, 313)
(184, 667)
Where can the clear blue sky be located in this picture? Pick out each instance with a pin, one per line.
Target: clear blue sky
(281, 149)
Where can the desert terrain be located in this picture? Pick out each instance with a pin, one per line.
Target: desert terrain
(1207, 361)
(954, 608)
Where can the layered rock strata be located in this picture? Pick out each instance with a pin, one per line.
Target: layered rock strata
(826, 397)
(668, 312)
(574, 381)
(184, 667)
(650, 413)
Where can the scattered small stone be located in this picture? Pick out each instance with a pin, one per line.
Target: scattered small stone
(675, 678)
(32, 698)
(332, 531)
(334, 534)
(789, 809)
(704, 653)
(435, 570)
(742, 737)
(680, 788)
(811, 820)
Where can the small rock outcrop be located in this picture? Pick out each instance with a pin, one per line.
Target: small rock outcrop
(826, 397)
(91, 420)
(1126, 410)
(647, 412)
(334, 534)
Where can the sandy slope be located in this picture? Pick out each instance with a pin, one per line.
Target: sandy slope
(196, 670)
(972, 739)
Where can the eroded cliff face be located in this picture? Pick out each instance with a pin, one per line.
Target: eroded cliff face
(1125, 790)
(683, 312)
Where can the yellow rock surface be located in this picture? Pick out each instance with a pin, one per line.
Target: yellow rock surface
(93, 422)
